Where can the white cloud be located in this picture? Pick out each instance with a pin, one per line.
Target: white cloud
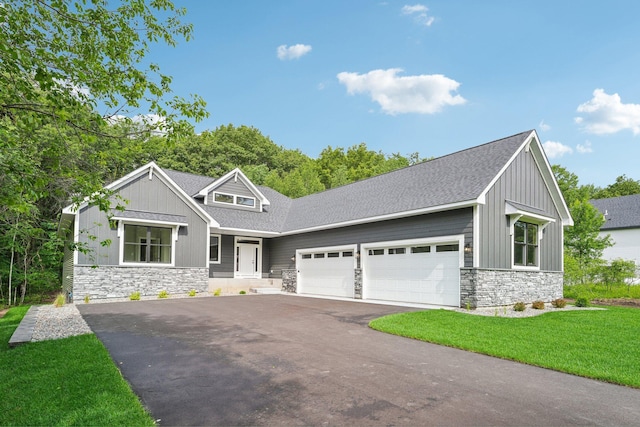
(605, 114)
(556, 149)
(419, 13)
(292, 52)
(544, 127)
(584, 149)
(424, 94)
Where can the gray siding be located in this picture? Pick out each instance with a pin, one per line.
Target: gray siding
(522, 183)
(146, 195)
(422, 226)
(227, 255)
(237, 188)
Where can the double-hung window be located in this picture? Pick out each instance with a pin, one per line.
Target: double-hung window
(525, 244)
(147, 244)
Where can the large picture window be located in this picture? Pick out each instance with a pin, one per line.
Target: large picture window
(144, 244)
(525, 244)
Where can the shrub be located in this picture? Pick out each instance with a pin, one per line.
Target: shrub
(243, 292)
(192, 293)
(86, 299)
(559, 303)
(538, 305)
(163, 294)
(519, 306)
(60, 300)
(582, 302)
(135, 296)
(217, 292)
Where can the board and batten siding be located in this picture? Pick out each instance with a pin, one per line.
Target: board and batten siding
(454, 222)
(148, 195)
(237, 188)
(523, 183)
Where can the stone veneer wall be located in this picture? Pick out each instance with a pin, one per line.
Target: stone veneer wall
(289, 280)
(357, 284)
(120, 282)
(493, 287)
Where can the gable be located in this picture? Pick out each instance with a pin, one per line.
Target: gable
(234, 190)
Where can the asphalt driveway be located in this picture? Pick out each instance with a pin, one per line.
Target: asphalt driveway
(286, 360)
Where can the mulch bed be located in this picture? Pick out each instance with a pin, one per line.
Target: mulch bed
(623, 302)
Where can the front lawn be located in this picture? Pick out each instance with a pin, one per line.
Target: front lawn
(63, 382)
(600, 344)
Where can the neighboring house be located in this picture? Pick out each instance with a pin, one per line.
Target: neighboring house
(483, 226)
(622, 222)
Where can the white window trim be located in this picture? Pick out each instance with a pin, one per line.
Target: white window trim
(541, 227)
(236, 273)
(219, 249)
(150, 223)
(235, 200)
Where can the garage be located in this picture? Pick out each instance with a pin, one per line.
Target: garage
(417, 271)
(327, 271)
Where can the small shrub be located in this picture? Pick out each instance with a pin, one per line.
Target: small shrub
(559, 303)
(60, 300)
(163, 294)
(582, 302)
(86, 299)
(519, 306)
(243, 292)
(135, 296)
(192, 293)
(538, 305)
(217, 292)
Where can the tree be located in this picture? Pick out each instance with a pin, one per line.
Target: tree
(582, 241)
(569, 186)
(60, 63)
(622, 187)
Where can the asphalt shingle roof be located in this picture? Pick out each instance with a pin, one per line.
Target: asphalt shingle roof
(621, 212)
(457, 177)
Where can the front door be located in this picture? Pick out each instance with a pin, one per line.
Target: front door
(248, 259)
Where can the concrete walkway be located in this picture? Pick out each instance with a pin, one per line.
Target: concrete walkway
(24, 332)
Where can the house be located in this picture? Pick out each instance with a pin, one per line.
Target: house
(622, 223)
(482, 226)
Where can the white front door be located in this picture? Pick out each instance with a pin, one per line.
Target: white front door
(248, 259)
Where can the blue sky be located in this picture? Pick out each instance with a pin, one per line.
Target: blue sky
(433, 77)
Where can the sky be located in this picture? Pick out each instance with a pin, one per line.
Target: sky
(432, 77)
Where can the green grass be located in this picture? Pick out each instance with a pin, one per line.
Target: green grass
(71, 381)
(600, 291)
(600, 344)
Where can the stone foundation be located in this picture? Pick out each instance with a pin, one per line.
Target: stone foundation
(357, 284)
(121, 282)
(290, 280)
(492, 287)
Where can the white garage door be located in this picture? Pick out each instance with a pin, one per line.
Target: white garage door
(426, 273)
(326, 271)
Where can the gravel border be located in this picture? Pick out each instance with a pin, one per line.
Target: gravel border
(508, 311)
(53, 323)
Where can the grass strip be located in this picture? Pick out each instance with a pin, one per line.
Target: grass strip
(71, 381)
(599, 344)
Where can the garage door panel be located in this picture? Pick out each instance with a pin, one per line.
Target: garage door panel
(429, 277)
(321, 274)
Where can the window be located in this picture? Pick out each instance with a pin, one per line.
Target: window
(525, 244)
(146, 244)
(223, 198)
(234, 200)
(333, 255)
(347, 254)
(447, 248)
(306, 256)
(214, 249)
(245, 201)
(318, 255)
(396, 251)
(420, 249)
(376, 251)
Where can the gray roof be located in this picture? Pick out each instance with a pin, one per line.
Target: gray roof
(457, 177)
(190, 183)
(620, 212)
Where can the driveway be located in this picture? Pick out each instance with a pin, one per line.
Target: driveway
(287, 360)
